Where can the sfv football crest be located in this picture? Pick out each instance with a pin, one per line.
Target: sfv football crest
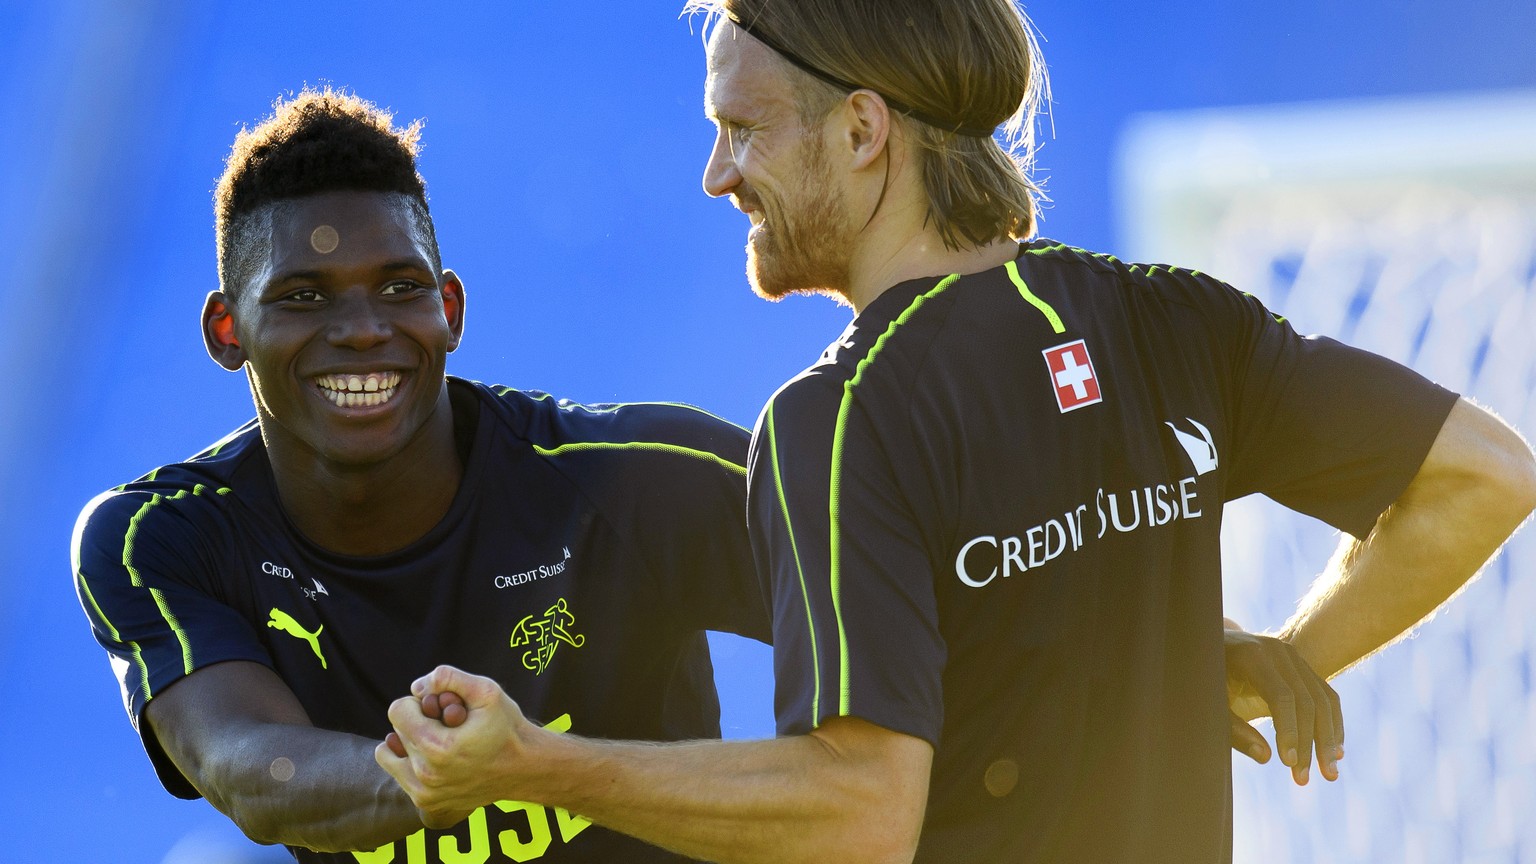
(543, 634)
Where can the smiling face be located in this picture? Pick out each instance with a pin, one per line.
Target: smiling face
(775, 169)
(344, 331)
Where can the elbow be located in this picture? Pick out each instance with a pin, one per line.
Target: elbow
(253, 814)
(1526, 490)
(1516, 480)
(257, 818)
(258, 824)
(271, 829)
(1487, 464)
(252, 824)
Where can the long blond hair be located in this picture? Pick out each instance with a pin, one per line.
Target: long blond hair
(957, 63)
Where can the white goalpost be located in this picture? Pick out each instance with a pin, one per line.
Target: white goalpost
(1407, 228)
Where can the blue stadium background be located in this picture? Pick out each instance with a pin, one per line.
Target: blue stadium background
(564, 146)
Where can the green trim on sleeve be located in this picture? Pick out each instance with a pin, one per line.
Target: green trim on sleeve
(810, 621)
(86, 593)
(835, 502)
(1045, 308)
(138, 653)
(138, 582)
(1150, 269)
(653, 446)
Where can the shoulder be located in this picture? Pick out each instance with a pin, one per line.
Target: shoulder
(172, 503)
(561, 429)
(212, 471)
(807, 404)
(1048, 256)
(1178, 300)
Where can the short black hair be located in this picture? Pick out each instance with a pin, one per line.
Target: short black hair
(324, 140)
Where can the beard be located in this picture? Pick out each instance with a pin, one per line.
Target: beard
(805, 249)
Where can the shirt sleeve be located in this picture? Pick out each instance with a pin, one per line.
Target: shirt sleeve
(855, 622)
(692, 520)
(139, 572)
(1322, 427)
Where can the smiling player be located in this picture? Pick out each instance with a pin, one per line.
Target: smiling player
(990, 511)
(265, 600)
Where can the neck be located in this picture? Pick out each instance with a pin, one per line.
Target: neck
(374, 508)
(898, 246)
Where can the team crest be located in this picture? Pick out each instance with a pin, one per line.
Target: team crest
(1072, 376)
(543, 634)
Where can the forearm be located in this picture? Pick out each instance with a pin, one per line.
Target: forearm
(784, 800)
(850, 791)
(1375, 591)
(1475, 489)
(307, 787)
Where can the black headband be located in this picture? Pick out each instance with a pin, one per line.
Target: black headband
(895, 104)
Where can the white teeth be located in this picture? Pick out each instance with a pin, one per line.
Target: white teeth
(352, 391)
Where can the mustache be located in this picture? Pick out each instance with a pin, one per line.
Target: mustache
(746, 200)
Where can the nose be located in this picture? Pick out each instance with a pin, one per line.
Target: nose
(721, 175)
(358, 321)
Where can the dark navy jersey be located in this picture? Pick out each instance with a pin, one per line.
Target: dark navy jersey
(586, 551)
(991, 517)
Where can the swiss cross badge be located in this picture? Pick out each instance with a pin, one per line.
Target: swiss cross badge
(1072, 376)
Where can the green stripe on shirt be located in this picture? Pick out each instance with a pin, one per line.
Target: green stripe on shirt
(810, 622)
(652, 446)
(138, 582)
(834, 504)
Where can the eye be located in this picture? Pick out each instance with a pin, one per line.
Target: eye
(303, 295)
(401, 286)
(738, 136)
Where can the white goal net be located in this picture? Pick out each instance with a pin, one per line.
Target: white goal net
(1409, 229)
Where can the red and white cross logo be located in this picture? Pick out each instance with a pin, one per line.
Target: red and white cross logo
(1072, 375)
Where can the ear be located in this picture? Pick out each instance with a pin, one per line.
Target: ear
(867, 127)
(219, 332)
(453, 306)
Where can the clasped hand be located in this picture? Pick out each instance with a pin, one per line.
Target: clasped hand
(451, 734)
(456, 730)
(1267, 677)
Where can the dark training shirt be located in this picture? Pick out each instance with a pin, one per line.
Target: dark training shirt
(586, 551)
(991, 518)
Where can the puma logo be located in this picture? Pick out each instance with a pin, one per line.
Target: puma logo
(283, 621)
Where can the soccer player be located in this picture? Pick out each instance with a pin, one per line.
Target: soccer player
(264, 601)
(990, 511)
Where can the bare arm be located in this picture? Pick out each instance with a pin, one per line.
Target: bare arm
(848, 792)
(1476, 486)
(241, 737)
